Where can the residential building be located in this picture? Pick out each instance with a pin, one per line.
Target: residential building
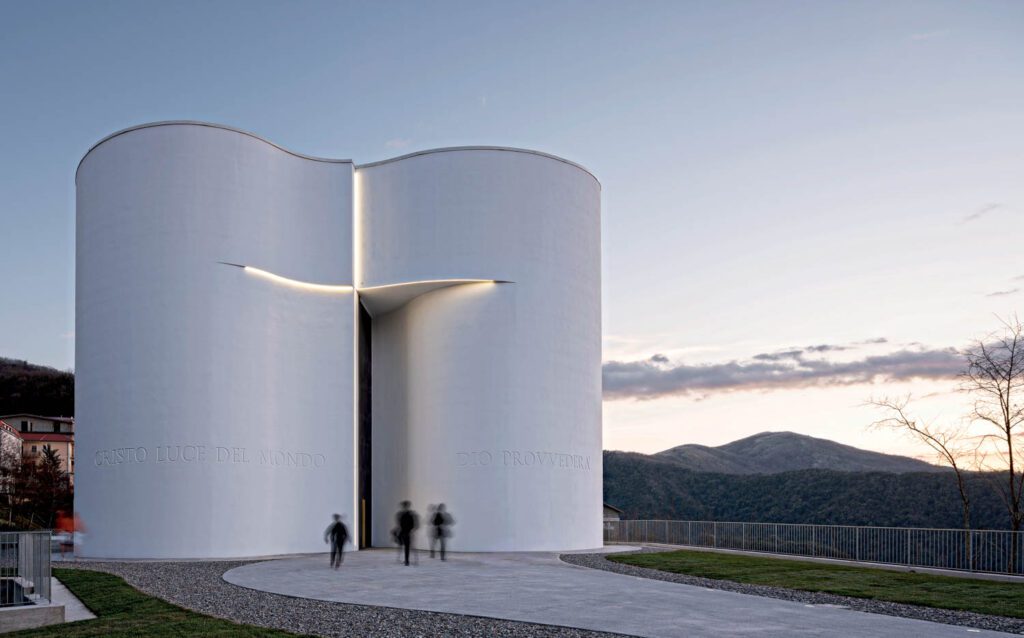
(10, 456)
(36, 433)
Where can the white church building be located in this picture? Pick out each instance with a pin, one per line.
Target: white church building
(265, 338)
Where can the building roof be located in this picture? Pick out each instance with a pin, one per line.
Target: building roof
(612, 507)
(12, 430)
(61, 419)
(325, 159)
(47, 437)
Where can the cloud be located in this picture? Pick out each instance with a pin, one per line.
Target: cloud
(868, 342)
(797, 353)
(1003, 293)
(826, 348)
(648, 379)
(981, 212)
(659, 358)
(398, 142)
(779, 356)
(928, 35)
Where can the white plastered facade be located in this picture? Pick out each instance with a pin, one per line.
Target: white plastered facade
(218, 409)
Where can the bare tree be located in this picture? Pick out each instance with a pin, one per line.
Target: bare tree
(950, 443)
(995, 378)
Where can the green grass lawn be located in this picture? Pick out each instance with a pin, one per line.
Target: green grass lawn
(122, 610)
(948, 592)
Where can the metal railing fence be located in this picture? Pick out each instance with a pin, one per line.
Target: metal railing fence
(994, 551)
(24, 568)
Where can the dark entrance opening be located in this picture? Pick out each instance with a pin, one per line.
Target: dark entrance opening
(365, 447)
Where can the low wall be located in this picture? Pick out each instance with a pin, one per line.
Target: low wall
(30, 616)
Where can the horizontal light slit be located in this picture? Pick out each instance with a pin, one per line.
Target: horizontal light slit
(294, 283)
(305, 285)
(432, 281)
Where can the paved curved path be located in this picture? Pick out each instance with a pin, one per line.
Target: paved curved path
(540, 588)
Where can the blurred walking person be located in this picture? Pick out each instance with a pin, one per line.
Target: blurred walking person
(336, 535)
(70, 533)
(430, 523)
(65, 535)
(441, 521)
(407, 524)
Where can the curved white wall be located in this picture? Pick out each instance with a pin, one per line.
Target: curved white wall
(251, 378)
(216, 409)
(487, 396)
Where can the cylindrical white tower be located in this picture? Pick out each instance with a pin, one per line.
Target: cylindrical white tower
(486, 396)
(214, 406)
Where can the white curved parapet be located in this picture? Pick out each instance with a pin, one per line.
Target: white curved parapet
(230, 397)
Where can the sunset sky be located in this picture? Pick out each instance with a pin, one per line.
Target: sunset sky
(804, 204)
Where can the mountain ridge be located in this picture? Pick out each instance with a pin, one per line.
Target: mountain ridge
(648, 487)
(35, 389)
(777, 452)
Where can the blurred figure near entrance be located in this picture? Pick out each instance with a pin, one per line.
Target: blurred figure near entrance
(65, 533)
(407, 521)
(69, 533)
(441, 522)
(336, 535)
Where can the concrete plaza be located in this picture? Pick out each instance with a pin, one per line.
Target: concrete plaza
(540, 588)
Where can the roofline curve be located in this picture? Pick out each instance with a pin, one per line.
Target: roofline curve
(446, 149)
(224, 127)
(510, 149)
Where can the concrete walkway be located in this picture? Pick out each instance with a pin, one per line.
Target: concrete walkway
(73, 608)
(540, 588)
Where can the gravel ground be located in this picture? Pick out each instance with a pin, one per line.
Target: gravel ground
(947, 616)
(198, 586)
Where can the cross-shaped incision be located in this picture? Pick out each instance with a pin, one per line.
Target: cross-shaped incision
(377, 299)
(373, 301)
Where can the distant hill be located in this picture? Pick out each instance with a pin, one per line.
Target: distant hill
(26, 387)
(652, 487)
(775, 452)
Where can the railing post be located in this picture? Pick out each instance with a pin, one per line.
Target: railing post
(970, 550)
(714, 534)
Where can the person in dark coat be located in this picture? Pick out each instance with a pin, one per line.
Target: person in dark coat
(440, 521)
(407, 524)
(336, 535)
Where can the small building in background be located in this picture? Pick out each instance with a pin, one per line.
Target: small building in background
(35, 433)
(612, 513)
(36, 423)
(10, 456)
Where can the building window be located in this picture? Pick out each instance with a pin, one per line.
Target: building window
(33, 449)
(56, 427)
(24, 426)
